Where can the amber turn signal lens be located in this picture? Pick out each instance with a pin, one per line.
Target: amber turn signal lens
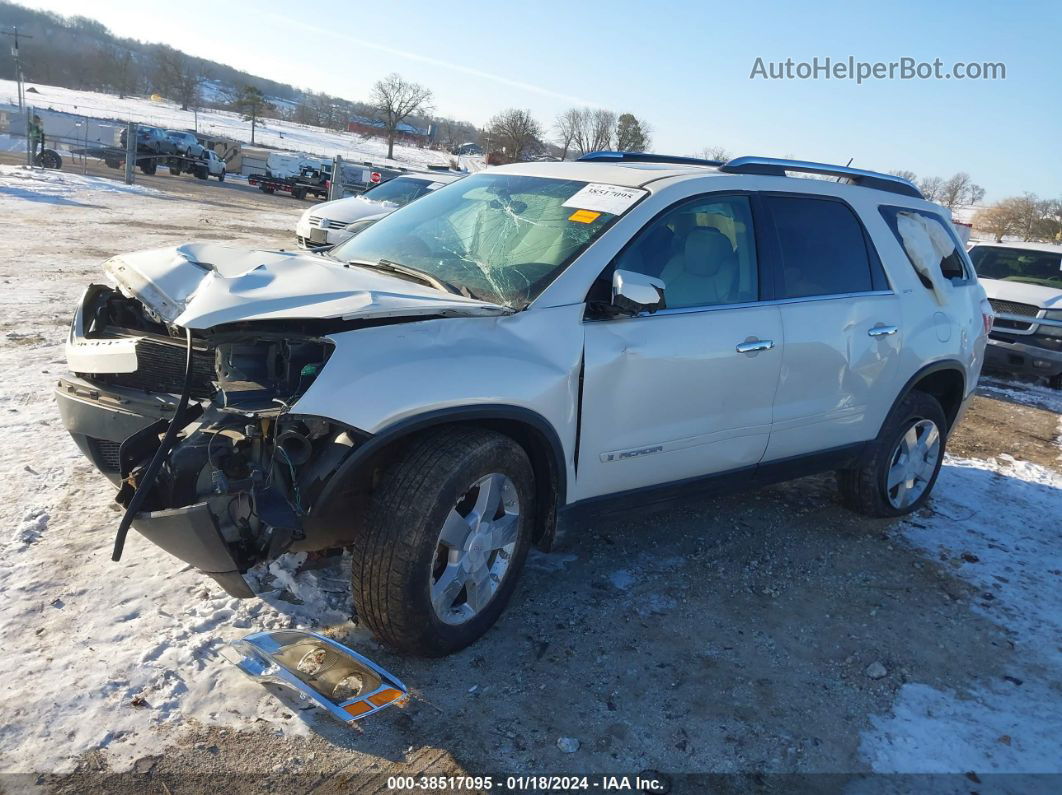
(385, 696)
(358, 708)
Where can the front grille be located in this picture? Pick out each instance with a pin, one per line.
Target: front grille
(1013, 308)
(105, 453)
(1012, 325)
(316, 220)
(160, 368)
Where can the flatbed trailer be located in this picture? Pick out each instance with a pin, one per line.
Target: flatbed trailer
(148, 162)
(298, 187)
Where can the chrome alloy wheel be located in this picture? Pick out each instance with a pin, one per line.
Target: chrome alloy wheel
(476, 545)
(912, 463)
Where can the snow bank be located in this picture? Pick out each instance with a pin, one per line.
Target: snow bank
(1000, 519)
(44, 185)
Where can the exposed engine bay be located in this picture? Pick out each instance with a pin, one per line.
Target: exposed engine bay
(237, 457)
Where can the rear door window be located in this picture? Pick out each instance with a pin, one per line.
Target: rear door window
(823, 247)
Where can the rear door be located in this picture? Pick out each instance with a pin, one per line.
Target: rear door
(841, 323)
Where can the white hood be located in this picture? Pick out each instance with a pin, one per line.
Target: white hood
(200, 285)
(1023, 292)
(351, 209)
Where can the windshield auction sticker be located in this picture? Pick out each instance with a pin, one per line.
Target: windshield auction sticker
(612, 199)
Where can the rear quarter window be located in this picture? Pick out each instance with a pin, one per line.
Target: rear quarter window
(926, 238)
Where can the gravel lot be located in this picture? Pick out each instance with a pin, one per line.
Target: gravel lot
(766, 631)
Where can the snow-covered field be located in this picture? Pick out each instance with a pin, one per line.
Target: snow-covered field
(124, 657)
(274, 132)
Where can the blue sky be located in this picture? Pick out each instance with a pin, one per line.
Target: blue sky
(683, 66)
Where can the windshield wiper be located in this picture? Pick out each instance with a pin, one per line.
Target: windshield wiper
(414, 273)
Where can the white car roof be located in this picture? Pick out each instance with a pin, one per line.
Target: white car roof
(636, 174)
(1050, 248)
(435, 176)
(628, 175)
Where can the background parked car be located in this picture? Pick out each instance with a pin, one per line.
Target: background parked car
(1024, 286)
(150, 140)
(324, 224)
(185, 143)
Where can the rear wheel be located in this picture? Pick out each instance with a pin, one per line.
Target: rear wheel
(1055, 381)
(447, 533)
(898, 469)
(148, 166)
(175, 169)
(221, 176)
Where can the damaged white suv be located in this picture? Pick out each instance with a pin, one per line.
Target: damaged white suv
(530, 339)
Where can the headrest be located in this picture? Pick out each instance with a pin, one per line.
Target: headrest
(707, 250)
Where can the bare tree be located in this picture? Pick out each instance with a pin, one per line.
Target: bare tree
(960, 189)
(595, 132)
(714, 153)
(910, 176)
(1028, 217)
(567, 126)
(931, 187)
(395, 98)
(515, 132)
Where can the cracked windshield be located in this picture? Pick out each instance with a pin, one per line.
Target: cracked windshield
(495, 237)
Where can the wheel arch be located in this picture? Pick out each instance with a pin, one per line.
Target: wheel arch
(945, 381)
(355, 477)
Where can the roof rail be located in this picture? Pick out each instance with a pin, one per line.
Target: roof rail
(645, 157)
(776, 167)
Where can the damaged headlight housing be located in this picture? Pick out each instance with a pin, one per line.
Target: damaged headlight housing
(346, 684)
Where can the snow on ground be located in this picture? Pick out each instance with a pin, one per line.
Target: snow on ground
(274, 132)
(85, 645)
(56, 187)
(996, 523)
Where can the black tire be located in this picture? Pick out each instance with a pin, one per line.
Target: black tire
(175, 170)
(148, 167)
(393, 559)
(863, 487)
(299, 193)
(265, 189)
(221, 177)
(1055, 381)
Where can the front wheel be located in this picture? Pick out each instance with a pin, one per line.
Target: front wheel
(898, 469)
(221, 176)
(447, 533)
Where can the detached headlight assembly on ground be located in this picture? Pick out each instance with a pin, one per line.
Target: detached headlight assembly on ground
(347, 685)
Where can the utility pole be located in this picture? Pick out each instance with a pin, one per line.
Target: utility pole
(18, 65)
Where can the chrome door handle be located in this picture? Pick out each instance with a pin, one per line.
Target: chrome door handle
(882, 331)
(752, 346)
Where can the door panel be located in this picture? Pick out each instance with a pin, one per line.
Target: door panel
(835, 376)
(668, 397)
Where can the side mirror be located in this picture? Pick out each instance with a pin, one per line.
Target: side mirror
(634, 293)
